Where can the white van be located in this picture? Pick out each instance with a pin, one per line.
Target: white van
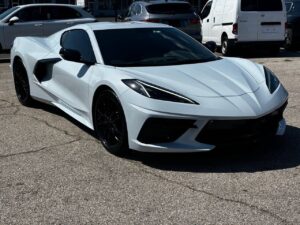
(232, 23)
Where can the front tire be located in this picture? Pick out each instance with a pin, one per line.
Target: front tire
(110, 123)
(21, 82)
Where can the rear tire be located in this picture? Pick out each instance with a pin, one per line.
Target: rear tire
(289, 46)
(226, 48)
(21, 82)
(110, 123)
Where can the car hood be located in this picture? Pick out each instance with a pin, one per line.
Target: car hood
(220, 78)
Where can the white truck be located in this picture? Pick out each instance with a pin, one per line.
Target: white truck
(232, 23)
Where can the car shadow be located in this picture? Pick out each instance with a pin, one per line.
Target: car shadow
(261, 53)
(280, 153)
(277, 154)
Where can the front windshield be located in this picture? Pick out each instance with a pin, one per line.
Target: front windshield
(150, 47)
(7, 12)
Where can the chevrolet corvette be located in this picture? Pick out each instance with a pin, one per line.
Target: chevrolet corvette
(149, 87)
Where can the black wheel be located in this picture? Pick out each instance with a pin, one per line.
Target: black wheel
(109, 122)
(289, 40)
(22, 84)
(226, 48)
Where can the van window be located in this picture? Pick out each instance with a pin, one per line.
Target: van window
(293, 9)
(170, 8)
(206, 10)
(261, 5)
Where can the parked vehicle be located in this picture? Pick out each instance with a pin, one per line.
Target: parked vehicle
(292, 40)
(232, 23)
(39, 20)
(179, 14)
(155, 89)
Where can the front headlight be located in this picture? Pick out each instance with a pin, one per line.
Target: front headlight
(156, 92)
(271, 80)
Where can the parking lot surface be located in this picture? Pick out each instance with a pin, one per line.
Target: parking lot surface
(53, 171)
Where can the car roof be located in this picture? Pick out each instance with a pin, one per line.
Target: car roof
(47, 4)
(121, 25)
(153, 2)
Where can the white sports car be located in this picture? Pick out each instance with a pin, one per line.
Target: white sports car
(149, 87)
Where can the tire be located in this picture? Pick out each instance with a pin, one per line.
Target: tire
(110, 123)
(289, 46)
(226, 48)
(21, 82)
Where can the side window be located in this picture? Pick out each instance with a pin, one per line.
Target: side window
(206, 10)
(30, 14)
(289, 6)
(61, 13)
(133, 10)
(78, 40)
(138, 9)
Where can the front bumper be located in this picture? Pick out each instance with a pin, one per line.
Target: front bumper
(165, 134)
(201, 134)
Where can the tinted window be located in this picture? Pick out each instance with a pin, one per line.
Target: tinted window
(150, 47)
(206, 10)
(170, 8)
(60, 13)
(78, 40)
(261, 5)
(7, 12)
(30, 14)
(294, 8)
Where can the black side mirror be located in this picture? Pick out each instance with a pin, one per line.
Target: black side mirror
(75, 56)
(70, 54)
(211, 45)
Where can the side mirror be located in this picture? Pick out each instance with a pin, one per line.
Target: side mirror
(211, 45)
(13, 20)
(74, 56)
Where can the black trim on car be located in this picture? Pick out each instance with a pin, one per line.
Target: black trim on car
(41, 68)
(227, 24)
(161, 130)
(270, 23)
(232, 132)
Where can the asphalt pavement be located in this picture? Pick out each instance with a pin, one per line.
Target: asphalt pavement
(53, 171)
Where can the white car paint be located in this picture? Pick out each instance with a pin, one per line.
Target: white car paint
(225, 13)
(227, 89)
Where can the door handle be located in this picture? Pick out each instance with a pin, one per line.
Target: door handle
(214, 19)
(207, 20)
(38, 24)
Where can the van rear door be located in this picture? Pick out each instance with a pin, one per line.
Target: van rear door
(247, 21)
(271, 20)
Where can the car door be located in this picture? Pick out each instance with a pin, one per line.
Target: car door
(248, 20)
(30, 23)
(61, 17)
(70, 79)
(207, 21)
(271, 20)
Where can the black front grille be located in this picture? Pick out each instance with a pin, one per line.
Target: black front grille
(159, 130)
(228, 132)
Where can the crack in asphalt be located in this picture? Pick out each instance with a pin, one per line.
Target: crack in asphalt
(243, 203)
(40, 149)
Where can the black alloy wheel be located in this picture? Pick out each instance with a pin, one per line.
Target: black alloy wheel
(110, 123)
(21, 83)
